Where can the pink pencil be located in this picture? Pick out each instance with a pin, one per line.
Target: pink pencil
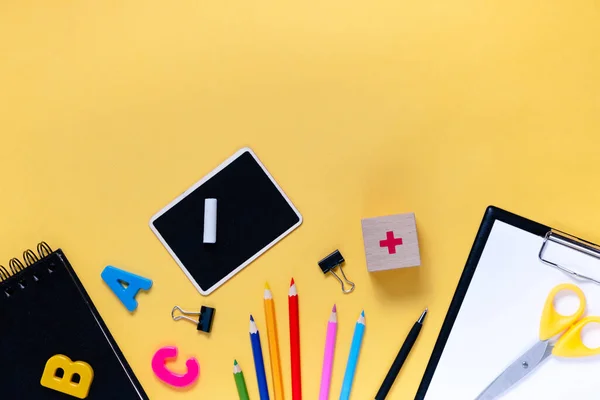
(328, 357)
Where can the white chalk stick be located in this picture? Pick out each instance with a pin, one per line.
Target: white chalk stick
(210, 220)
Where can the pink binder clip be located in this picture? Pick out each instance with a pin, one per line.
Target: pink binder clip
(171, 378)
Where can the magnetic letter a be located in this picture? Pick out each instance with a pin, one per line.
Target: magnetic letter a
(125, 285)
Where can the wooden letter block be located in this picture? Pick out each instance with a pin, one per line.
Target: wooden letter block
(391, 242)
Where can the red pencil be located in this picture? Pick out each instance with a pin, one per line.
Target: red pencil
(295, 342)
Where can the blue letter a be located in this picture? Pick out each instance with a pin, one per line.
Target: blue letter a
(125, 285)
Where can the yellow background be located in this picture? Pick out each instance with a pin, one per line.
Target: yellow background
(110, 109)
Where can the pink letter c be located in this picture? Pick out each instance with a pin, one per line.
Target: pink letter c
(164, 374)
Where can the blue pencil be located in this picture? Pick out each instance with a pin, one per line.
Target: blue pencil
(359, 332)
(259, 362)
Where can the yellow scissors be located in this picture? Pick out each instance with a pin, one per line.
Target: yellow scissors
(569, 344)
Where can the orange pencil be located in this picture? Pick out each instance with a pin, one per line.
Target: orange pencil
(295, 342)
(273, 344)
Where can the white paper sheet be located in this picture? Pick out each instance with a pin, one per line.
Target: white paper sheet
(499, 320)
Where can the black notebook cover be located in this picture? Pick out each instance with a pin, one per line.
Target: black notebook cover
(44, 311)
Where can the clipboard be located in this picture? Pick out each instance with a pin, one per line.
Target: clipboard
(494, 315)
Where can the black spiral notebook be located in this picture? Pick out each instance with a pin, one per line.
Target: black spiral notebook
(45, 311)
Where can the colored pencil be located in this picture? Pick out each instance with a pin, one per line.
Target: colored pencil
(295, 341)
(359, 332)
(259, 362)
(240, 382)
(410, 340)
(328, 356)
(273, 344)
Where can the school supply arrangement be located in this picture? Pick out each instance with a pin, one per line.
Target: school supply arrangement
(351, 364)
(54, 343)
(233, 215)
(213, 230)
(486, 348)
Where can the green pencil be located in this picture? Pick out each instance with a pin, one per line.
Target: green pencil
(240, 382)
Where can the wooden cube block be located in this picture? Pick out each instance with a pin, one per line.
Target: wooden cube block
(391, 242)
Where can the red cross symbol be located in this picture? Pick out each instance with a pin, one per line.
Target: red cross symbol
(390, 242)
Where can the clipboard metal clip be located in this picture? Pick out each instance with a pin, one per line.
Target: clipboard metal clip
(573, 243)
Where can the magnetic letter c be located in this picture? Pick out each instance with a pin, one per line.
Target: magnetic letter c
(164, 374)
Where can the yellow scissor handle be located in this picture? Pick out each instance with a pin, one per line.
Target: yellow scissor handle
(570, 343)
(554, 323)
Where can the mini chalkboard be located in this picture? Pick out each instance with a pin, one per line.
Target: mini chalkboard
(253, 214)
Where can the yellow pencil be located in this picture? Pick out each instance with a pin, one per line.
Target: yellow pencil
(273, 344)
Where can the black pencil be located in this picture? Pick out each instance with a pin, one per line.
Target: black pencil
(400, 358)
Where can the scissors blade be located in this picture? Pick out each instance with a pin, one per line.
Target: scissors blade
(516, 371)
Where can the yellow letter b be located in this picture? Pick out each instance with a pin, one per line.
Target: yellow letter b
(68, 383)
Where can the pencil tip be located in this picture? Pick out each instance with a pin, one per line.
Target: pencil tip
(422, 317)
(334, 309)
(235, 362)
(292, 282)
(251, 318)
(267, 286)
(362, 314)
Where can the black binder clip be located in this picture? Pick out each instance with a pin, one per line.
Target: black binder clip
(332, 261)
(205, 319)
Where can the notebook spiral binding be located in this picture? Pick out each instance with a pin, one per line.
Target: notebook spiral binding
(29, 257)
